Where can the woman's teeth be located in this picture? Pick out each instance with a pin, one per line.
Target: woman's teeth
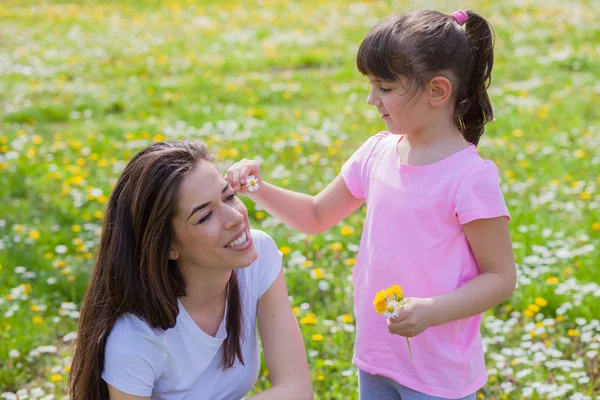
(238, 242)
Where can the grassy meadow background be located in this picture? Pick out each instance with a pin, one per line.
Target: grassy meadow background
(84, 85)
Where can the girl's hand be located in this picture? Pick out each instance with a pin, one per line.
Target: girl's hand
(412, 319)
(237, 174)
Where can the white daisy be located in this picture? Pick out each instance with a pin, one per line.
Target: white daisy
(252, 183)
(392, 308)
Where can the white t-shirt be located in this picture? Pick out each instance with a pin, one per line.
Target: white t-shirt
(184, 362)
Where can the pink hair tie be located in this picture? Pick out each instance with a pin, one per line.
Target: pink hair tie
(460, 16)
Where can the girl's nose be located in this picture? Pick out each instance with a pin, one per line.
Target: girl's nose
(372, 100)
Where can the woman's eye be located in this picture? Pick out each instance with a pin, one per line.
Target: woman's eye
(205, 218)
(231, 197)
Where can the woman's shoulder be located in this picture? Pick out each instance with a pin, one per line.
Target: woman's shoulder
(134, 355)
(130, 329)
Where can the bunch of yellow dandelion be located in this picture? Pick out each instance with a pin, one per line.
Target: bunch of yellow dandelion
(388, 302)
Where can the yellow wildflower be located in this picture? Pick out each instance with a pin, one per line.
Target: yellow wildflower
(395, 290)
(309, 319)
(380, 302)
(347, 230)
(347, 318)
(540, 301)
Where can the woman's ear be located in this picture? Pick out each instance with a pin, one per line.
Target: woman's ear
(439, 90)
(173, 254)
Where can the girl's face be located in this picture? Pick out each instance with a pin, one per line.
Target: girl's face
(404, 111)
(211, 226)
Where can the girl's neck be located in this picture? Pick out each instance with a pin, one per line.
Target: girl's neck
(205, 288)
(429, 147)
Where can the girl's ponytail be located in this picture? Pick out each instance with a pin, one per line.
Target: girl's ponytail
(473, 107)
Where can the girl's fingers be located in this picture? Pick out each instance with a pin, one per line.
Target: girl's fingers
(244, 174)
(229, 175)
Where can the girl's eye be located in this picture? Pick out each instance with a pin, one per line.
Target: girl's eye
(384, 90)
(205, 218)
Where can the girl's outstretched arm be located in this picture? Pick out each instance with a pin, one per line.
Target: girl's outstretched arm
(306, 213)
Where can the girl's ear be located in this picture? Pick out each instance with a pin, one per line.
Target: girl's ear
(439, 90)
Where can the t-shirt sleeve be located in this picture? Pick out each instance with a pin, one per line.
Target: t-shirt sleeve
(269, 262)
(478, 195)
(354, 168)
(131, 361)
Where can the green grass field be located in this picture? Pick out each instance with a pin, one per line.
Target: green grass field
(84, 85)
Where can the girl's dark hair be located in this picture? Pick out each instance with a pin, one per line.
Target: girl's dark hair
(423, 44)
(133, 272)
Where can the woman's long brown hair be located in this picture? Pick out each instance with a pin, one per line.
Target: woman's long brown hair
(133, 273)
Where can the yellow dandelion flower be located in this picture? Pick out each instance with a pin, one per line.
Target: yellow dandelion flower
(351, 261)
(533, 307)
(573, 332)
(56, 378)
(540, 301)
(596, 226)
(38, 320)
(259, 215)
(320, 377)
(34, 234)
(395, 290)
(309, 319)
(76, 228)
(347, 230)
(528, 313)
(347, 318)
(559, 318)
(317, 337)
(552, 280)
(317, 273)
(285, 250)
(337, 246)
(585, 196)
(307, 264)
(380, 302)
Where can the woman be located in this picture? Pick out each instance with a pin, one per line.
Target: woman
(179, 283)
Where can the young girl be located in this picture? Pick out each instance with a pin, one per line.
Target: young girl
(436, 220)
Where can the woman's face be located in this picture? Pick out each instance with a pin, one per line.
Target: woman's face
(211, 225)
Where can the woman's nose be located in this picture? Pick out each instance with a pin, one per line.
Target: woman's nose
(234, 216)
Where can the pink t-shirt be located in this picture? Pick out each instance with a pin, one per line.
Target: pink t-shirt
(413, 237)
